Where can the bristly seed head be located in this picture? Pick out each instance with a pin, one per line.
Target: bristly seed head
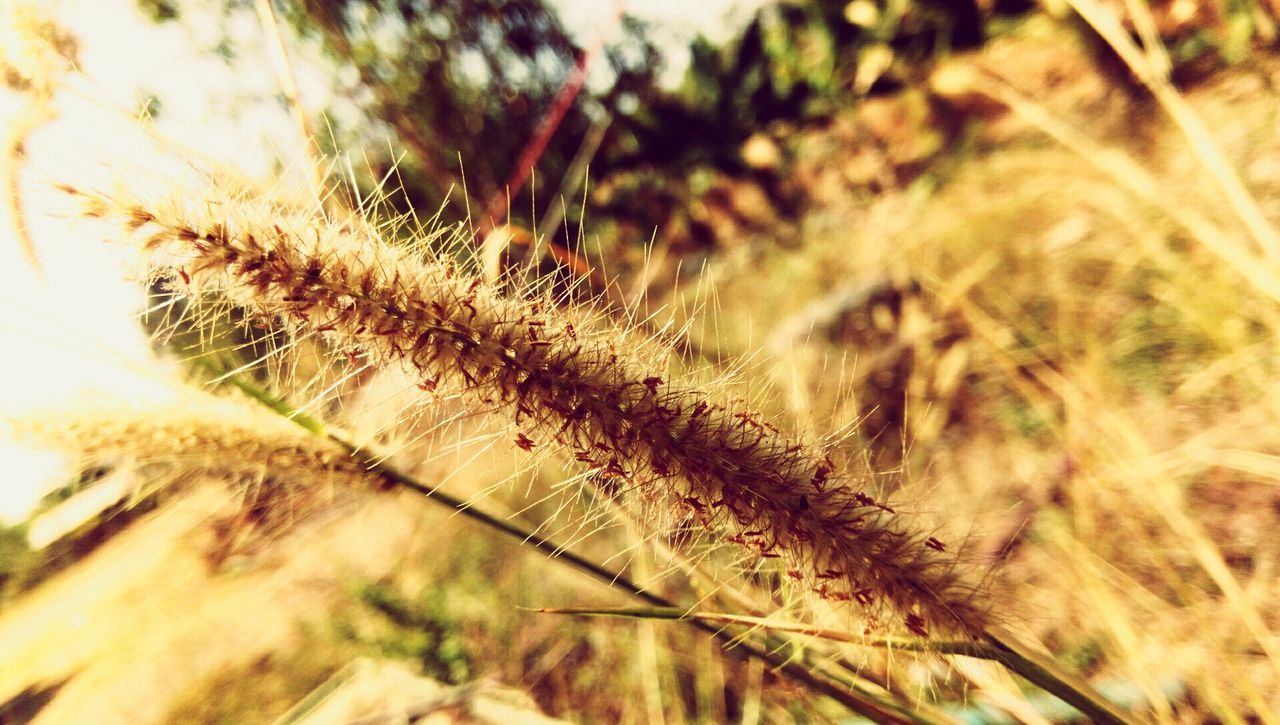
(590, 388)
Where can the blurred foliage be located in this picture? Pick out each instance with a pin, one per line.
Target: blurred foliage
(381, 622)
(262, 689)
(22, 569)
(159, 10)
(463, 85)
(680, 162)
(422, 632)
(49, 50)
(18, 564)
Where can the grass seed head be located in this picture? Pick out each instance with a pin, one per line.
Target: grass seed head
(601, 392)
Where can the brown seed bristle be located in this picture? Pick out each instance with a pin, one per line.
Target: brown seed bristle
(592, 388)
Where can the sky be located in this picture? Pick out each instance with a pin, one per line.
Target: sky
(70, 331)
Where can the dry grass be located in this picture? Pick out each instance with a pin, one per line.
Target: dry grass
(1084, 335)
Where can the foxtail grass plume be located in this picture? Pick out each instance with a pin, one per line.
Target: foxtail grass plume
(602, 393)
(279, 470)
(192, 432)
